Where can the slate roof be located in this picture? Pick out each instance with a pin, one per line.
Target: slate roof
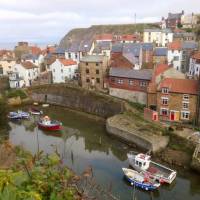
(147, 46)
(92, 58)
(28, 65)
(189, 45)
(144, 74)
(174, 15)
(167, 30)
(29, 56)
(133, 48)
(160, 51)
(117, 47)
(59, 51)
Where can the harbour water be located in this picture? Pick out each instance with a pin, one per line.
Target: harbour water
(83, 142)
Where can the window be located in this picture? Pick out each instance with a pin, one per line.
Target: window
(98, 80)
(87, 80)
(185, 115)
(120, 81)
(130, 82)
(112, 80)
(69, 70)
(176, 58)
(143, 84)
(164, 112)
(86, 64)
(185, 105)
(76, 56)
(186, 97)
(69, 55)
(97, 71)
(53, 70)
(165, 90)
(61, 70)
(87, 71)
(1, 70)
(97, 64)
(165, 101)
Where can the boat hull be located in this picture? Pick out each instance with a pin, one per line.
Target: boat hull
(56, 127)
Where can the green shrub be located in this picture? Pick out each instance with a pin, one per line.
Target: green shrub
(16, 93)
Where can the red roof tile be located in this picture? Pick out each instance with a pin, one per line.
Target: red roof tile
(160, 68)
(35, 50)
(104, 37)
(196, 55)
(175, 45)
(183, 86)
(28, 65)
(67, 62)
(129, 37)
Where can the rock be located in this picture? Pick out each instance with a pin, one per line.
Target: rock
(15, 101)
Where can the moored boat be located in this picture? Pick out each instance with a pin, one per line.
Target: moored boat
(140, 180)
(18, 115)
(46, 123)
(143, 163)
(35, 111)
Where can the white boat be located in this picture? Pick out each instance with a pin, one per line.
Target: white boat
(18, 115)
(140, 180)
(45, 105)
(143, 163)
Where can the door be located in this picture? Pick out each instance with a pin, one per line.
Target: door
(172, 116)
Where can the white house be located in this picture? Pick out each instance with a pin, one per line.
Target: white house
(161, 37)
(194, 68)
(63, 69)
(6, 66)
(174, 55)
(15, 81)
(26, 71)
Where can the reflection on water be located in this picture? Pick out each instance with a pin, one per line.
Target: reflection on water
(83, 142)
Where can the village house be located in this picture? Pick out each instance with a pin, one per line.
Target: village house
(160, 37)
(175, 55)
(130, 38)
(189, 20)
(184, 36)
(106, 37)
(25, 71)
(73, 52)
(93, 70)
(129, 84)
(6, 66)
(102, 48)
(63, 70)
(177, 99)
(147, 55)
(160, 55)
(194, 68)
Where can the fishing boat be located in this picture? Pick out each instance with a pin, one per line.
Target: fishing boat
(140, 180)
(35, 111)
(143, 163)
(45, 105)
(18, 115)
(47, 124)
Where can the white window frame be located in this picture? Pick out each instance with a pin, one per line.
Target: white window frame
(165, 90)
(131, 82)
(163, 99)
(161, 109)
(120, 81)
(187, 97)
(183, 115)
(185, 103)
(143, 83)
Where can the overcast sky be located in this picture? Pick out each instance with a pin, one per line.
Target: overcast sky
(49, 20)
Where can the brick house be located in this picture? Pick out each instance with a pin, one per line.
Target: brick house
(93, 69)
(129, 84)
(147, 55)
(160, 55)
(174, 20)
(177, 99)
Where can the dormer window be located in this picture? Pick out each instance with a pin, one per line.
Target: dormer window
(165, 90)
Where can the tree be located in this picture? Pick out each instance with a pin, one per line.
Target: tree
(197, 28)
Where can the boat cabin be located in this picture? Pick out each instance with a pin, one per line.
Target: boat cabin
(142, 161)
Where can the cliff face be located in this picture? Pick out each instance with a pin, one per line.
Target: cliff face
(77, 35)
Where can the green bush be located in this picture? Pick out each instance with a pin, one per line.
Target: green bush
(16, 93)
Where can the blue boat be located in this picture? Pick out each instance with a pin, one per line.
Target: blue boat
(140, 180)
(18, 115)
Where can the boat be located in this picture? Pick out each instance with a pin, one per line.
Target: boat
(18, 115)
(47, 124)
(35, 111)
(45, 105)
(35, 104)
(140, 180)
(143, 163)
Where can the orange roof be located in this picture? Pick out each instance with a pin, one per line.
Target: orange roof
(67, 62)
(196, 55)
(177, 30)
(175, 45)
(28, 65)
(160, 68)
(106, 36)
(183, 86)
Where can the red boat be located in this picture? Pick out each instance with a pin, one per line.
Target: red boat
(47, 124)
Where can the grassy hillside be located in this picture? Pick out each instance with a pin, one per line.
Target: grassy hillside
(76, 35)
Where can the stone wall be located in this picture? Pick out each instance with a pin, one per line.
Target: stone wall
(133, 96)
(146, 140)
(4, 83)
(77, 99)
